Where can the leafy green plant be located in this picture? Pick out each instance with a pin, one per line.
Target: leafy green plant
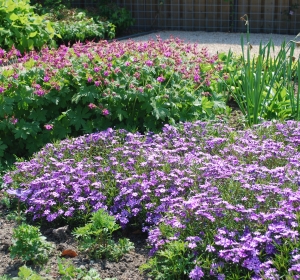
(264, 86)
(90, 87)
(115, 14)
(25, 273)
(96, 237)
(68, 271)
(174, 261)
(22, 28)
(75, 25)
(29, 245)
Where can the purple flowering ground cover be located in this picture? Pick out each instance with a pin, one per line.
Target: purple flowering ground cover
(216, 203)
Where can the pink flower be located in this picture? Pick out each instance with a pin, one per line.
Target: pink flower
(96, 69)
(2, 89)
(46, 79)
(90, 79)
(106, 73)
(39, 92)
(13, 120)
(97, 83)
(127, 63)
(105, 112)
(92, 106)
(149, 63)
(48, 126)
(197, 78)
(160, 79)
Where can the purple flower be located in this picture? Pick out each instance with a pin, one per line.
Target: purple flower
(196, 273)
(2, 89)
(19, 193)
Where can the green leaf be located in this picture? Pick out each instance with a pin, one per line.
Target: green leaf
(32, 34)
(6, 108)
(13, 17)
(77, 117)
(121, 114)
(2, 148)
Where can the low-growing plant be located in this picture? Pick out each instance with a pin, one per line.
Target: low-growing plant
(96, 237)
(29, 245)
(174, 261)
(68, 271)
(227, 200)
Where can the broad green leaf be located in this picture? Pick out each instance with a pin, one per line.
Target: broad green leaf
(32, 34)
(13, 17)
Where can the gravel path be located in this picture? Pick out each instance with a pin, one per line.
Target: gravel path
(222, 42)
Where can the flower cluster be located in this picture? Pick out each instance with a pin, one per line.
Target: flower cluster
(231, 195)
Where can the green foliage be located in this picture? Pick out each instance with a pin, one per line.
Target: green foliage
(25, 273)
(22, 28)
(66, 92)
(68, 271)
(174, 261)
(264, 86)
(29, 245)
(75, 25)
(115, 14)
(96, 237)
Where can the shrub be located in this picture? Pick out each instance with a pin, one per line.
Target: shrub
(72, 91)
(22, 28)
(74, 25)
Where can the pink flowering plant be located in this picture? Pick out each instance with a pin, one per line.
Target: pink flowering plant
(216, 203)
(63, 92)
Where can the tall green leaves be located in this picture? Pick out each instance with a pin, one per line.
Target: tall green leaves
(263, 86)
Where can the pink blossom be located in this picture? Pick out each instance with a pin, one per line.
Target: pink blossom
(160, 79)
(2, 89)
(92, 106)
(96, 69)
(13, 120)
(97, 83)
(48, 126)
(105, 112)
(46, 79)
(149, 63)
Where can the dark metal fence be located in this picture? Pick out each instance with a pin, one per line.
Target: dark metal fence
(265, 16)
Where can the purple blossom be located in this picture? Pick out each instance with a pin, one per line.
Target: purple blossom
(196, 273)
